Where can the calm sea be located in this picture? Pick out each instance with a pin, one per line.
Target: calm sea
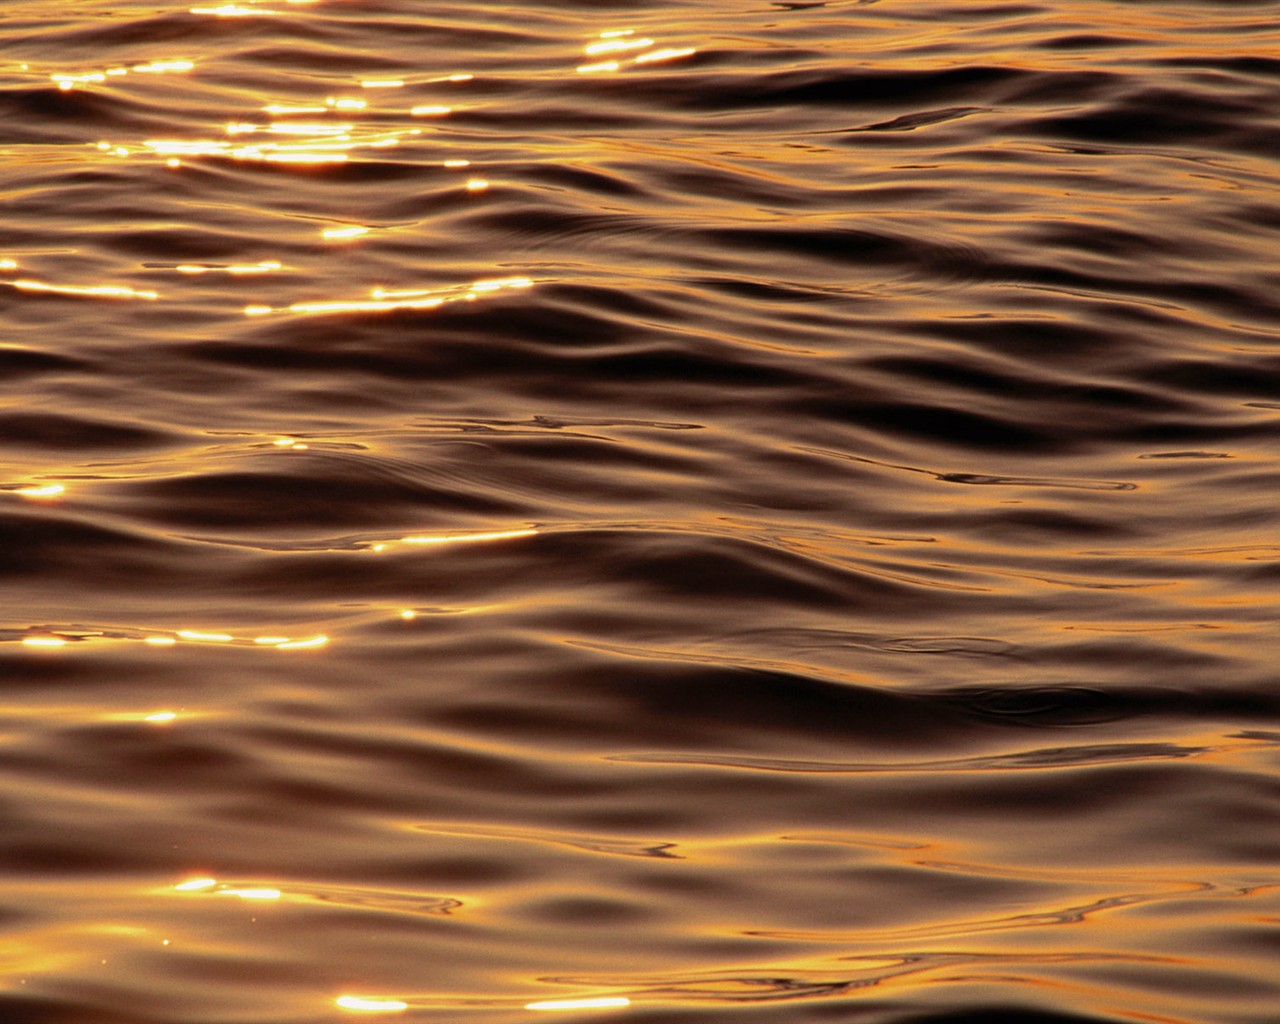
(639, 511)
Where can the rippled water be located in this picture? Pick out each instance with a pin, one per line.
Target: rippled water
(750, 512)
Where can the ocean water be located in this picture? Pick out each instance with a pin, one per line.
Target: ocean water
(701, 511)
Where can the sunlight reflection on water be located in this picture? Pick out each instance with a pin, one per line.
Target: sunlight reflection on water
(756, 506)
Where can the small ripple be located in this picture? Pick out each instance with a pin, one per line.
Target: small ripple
(1048, 758)
(356, 897)
(981, 479)
(920, 119)
(592, 844)
(855, 973)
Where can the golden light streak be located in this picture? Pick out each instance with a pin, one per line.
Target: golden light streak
(468, 538)
(61, 637)
(231, 11)
(477, 185)
(498, 283)
(151, 717)
(457, 163)
(284, 643)
(317, 143)
(345, 103)
(337, 234)
(297, 645)
(479, 286)
(100, 291)
(163, 67)
(252, 894)
(164, 147)
(620, 42)
(8, 264)
(382, 300)
(430, 111)
(362, 1004)
(304, 128)
(382, 83)
(196, 884)
(599, 1003)
(284, 109)
(668, 54)
(265, 267)
(42, 492)
(363, 306)
(486, 285)
(67, 79)
(408, 615)
(617, 46)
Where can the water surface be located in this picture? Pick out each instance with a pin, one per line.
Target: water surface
(749, 512)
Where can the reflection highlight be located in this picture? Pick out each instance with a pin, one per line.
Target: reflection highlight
(235, 270)
(340, 234)
(618, 42)
(363, 1004)
(55, 636)
(382, 300)
(216, 888)
(98, 291)
(468, 538)
(297, 645)
(69, 80)
(233, 11)
(316, 143)
(41, 492)
(252, 894)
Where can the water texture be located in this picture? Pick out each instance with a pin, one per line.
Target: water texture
(729, 511)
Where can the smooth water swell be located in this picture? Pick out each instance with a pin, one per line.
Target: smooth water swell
(781, 528)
